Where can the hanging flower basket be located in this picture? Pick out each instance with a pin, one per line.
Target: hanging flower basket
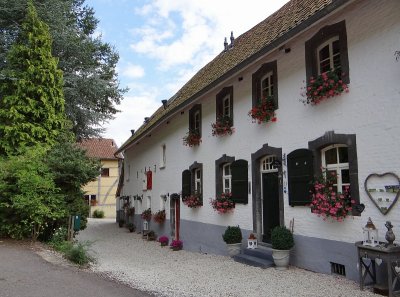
(264, 111)
(146, 215)
(159, 216)
(328, 84)
(327, 202)
(222, 127)
(223, 204)
(193, 201)
(192, 138)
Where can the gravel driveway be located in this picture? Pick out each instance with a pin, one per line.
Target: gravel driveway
(146, 266)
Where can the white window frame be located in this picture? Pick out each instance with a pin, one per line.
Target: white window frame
(163, 158)
(226, 106)
(266, 164)
(197, 181)
(338, 167)
(196, 118)
(268, 89)
(331, 57)
(226, 177)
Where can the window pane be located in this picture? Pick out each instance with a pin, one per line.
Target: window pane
(226, 183)
(336, 61)
(324, 66)
(345, 176)
(343, 155)
(335, 47)
(331, 156)
(324, 53)
(333, 176)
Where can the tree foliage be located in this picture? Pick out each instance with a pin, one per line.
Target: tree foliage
(29, 199)
(32, 103)
(91, 87)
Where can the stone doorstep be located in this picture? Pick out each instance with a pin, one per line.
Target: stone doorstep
(259, 257)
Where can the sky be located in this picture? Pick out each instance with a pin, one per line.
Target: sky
(163, 43)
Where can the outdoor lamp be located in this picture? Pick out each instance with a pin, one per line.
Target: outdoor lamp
(370, 234)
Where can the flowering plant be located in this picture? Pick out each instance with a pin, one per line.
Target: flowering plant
(163, 240)
(159, 216)
(192, 138)
(223, 126)
(176, 244)
(327, 202)
(264, 111)
(146, 214)
(326, 85)
(193, 201)
(223, 204)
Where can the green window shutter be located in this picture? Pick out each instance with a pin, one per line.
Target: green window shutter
(300, 176)
(186, 183)
(240, 182)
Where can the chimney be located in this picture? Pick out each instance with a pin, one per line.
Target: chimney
(232, 40)
(146, 120)
(164, 103)
(133, 131)
(225, 45)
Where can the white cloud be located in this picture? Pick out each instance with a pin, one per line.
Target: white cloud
(132, 71)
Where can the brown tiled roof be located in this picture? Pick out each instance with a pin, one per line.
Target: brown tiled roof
(101, 148)
(290, 19)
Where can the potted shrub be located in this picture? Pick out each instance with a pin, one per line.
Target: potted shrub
(233, 240)
(282, 241)
(176, 245)
(131, 227)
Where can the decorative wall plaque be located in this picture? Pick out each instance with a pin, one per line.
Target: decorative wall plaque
(383, 190)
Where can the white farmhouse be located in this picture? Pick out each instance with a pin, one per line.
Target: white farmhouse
(349, 126)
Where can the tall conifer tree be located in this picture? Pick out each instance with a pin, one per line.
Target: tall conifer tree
(32, 103)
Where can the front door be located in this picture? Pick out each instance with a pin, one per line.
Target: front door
(270, 210)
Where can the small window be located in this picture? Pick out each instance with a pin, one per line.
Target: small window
(226, 178)
(163, 161)
(335, 160)
(195, 119)
(224, 104)
(327, 50)
(265, 83)
(105, 172)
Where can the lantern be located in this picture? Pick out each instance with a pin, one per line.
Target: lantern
(145, 225)
(252, 242)
(370, 234)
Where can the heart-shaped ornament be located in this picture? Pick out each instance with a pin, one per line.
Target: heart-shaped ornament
(383, 190)
(378, 261)
(366, 261)
(397, 268)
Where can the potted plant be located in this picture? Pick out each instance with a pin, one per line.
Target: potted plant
(222, 127)
(131, 227)
(193, 201)
(121, 223)
(151, 235)
(192, 138)
(159, 216)
(223, 204)
(282, 241)
(176, 245)
(163, 240)
(146, 214)
(233, 240)
(264, 111)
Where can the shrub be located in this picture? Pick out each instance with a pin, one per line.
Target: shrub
(98, 214)
(78, 254)
(232, 235)
(282, 238)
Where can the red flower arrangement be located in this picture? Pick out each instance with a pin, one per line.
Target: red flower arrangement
(159, 216)
(193, 201)
(176, 245)
(223, 126)
(163, 240)
(146, 214)
(328, 84)
(327, 202)
(264, 111)
(192, 138)
(223, 204)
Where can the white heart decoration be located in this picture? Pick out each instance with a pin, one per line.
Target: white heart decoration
(366, 261)
(381, 194)
(378, 261)
(397, 268)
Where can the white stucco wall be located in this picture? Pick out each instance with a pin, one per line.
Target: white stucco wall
(370, 110)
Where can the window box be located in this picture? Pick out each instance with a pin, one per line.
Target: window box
(192, 138)
(264, 111)
(223, 126)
